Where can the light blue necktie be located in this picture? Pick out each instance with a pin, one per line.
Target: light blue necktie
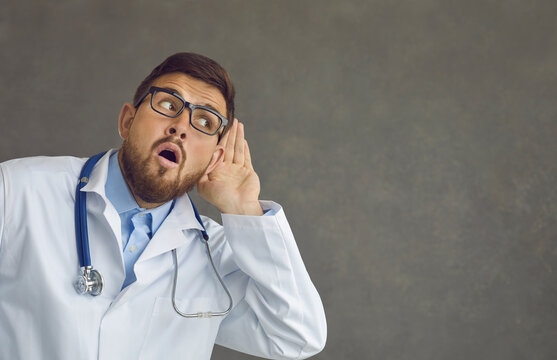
(139, 238)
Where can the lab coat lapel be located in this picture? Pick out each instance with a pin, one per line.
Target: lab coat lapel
(171, 233)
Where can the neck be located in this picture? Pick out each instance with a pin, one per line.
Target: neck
(144, 204)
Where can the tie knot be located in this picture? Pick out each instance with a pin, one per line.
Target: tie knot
(142, 222)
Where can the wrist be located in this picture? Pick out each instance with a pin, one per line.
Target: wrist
(252, 208)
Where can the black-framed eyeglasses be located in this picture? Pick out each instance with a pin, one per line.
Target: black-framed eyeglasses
(168, 103)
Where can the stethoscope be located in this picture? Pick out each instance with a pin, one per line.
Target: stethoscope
(91, 281)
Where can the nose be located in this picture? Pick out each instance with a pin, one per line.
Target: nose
(180, 125)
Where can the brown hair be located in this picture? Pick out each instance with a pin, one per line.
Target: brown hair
(198, 67)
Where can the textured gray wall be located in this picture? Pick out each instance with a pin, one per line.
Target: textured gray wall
(412, 144)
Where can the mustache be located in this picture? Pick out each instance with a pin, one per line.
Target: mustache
(173, 140)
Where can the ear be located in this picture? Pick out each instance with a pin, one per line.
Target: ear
(218, 156)
(125, 120)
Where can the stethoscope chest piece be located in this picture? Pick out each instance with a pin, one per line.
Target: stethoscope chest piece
(90, 282)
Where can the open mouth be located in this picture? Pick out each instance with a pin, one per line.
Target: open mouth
(168, 155)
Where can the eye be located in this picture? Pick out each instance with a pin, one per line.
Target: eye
(204, 122)
(167, 105)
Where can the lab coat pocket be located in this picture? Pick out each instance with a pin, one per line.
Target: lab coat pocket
(178, 337)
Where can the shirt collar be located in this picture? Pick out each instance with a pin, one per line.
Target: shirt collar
(116, 189)
(158, 215)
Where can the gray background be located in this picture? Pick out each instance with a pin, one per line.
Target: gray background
(412, 144)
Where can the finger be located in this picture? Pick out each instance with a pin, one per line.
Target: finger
(239, 145)
(247, 156)
(231, 139)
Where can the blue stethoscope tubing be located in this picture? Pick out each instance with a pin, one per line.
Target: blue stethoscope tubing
(91, 281)
(81, 231)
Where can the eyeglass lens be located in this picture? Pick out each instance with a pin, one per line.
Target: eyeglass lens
(201, 119)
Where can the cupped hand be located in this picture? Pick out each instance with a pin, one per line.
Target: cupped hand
(233, 185)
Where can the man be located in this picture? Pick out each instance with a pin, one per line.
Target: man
(176, 134)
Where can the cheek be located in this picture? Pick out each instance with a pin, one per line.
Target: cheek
(199, 155)
(150, 128)
(144, 132)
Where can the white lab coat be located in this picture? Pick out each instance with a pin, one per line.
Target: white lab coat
(277, 311)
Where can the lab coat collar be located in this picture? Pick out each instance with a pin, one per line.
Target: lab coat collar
(98, 176)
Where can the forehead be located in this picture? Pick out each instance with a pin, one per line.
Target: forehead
(193, 90)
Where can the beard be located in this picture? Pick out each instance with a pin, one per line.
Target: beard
(146, 180)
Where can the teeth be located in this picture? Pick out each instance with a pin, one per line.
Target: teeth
(169, 155)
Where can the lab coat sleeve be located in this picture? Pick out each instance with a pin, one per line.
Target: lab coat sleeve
(278, 313)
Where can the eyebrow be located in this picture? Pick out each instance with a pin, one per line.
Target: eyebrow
(209, 106)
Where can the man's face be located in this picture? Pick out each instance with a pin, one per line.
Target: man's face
(162, 157)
